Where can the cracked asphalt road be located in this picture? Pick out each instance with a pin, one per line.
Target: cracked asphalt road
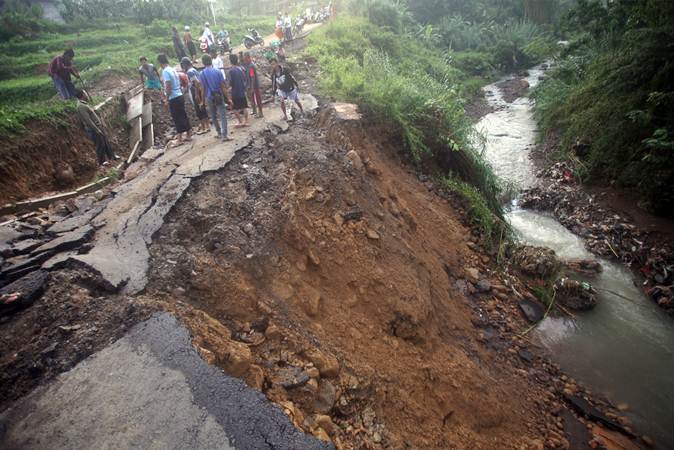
(126, 225)
(150, 389)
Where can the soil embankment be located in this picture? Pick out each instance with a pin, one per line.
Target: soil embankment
(54, 156)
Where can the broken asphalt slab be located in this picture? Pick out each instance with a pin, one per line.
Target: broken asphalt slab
(150, 389)
(120, 253)
(29, 288)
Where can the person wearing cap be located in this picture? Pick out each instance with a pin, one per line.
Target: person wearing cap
(196, 94)
(208, 36)
(189, 43)
(177, 44)
(60, 70)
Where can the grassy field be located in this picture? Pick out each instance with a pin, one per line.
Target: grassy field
(29, 94)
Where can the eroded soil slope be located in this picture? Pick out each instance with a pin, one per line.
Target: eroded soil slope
(331, 280)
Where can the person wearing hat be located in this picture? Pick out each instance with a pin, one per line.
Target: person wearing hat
(196, 94)
(60, 69)
(208, 36)
(177, 45)
(189, 43)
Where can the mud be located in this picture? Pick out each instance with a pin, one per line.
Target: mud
(49, 158)
(302, 271)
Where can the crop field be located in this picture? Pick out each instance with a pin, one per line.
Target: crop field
(28, 92)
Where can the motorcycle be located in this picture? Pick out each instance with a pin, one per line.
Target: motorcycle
(253, 39)
(299, 26)
(224, 43)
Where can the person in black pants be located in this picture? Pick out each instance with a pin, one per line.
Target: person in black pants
(176, 100)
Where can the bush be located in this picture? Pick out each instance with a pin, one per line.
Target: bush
(472, 62)
(612, 88)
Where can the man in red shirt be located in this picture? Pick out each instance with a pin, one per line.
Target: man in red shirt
(60, 69)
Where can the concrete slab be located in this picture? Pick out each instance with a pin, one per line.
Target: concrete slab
(149, 389)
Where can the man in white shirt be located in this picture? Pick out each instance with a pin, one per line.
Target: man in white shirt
(218, 62)
(208, 35)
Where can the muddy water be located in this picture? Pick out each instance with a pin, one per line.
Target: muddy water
(622, 348)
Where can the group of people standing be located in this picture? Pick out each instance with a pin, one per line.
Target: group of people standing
(211, 91)
(214, 90)
(284, 27)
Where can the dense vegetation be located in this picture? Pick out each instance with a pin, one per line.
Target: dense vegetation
(410, 77)
(612, 88)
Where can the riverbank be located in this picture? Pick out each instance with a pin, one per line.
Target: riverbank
(608, 219)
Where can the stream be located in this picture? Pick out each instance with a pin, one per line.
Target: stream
(622, 348)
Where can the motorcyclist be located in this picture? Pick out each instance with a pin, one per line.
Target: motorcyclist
(208, 36)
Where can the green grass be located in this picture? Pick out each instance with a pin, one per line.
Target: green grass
(494, 230)
(28, 93)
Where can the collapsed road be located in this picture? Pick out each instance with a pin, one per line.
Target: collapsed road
(315, 266)
(127, 223)
(150, 389)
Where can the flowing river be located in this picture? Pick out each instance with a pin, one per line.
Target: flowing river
(622, 349)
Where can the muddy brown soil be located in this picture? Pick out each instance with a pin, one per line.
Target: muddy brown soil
(48, 158)
(337, 284)
(514, 88)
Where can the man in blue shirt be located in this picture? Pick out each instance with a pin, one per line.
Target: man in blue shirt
(215, 94)
(176, 100)
(238, 82)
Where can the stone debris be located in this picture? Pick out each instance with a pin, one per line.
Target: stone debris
(536, 262)
(606, 233)
(576, 295)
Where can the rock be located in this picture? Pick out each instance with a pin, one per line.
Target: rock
(473, 274)
(273, 333)
(313, 258)
(584, 408)
(533, 310)
(325, 397)
(321, 434)
(575, 431)
(23, 292)
(575, 295)
(526, 355)
(483, 286)
(326, 423)
(26, 246)
(313, 372)
(355, 159)
(21, 265)
(327, 365)
(261, 324)
(584, 266)
(309, 300)
(376, 437)
(350, 216)
(249, 229)
(292, 377)
(536, 262)
(371, 234)
(67, 241)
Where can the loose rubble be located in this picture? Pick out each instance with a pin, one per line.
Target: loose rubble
(605, 233)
